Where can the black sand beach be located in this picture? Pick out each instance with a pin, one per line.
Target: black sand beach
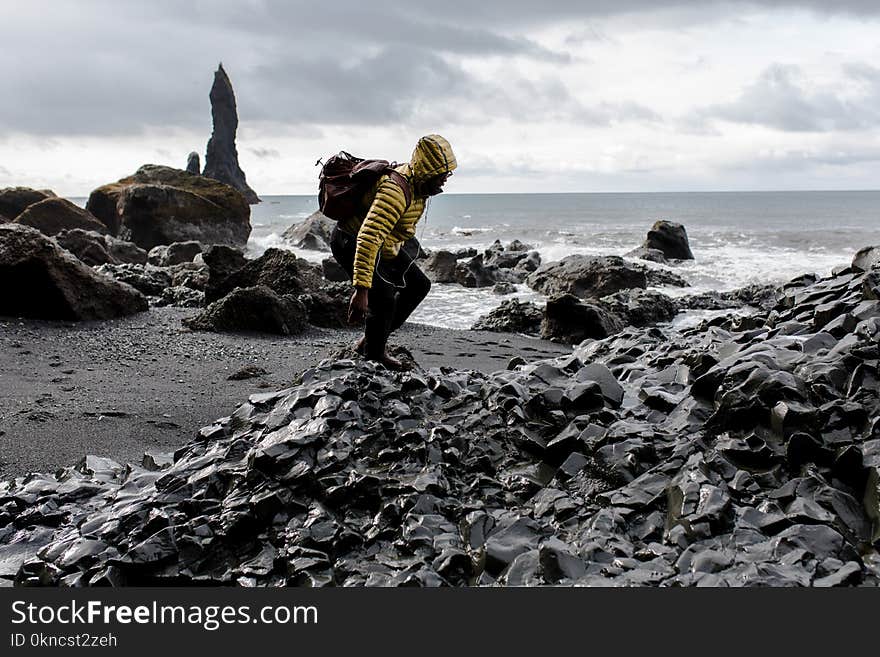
(122, 387)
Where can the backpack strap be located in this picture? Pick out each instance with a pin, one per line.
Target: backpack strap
(403, 183)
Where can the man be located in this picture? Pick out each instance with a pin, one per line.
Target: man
(388, 285)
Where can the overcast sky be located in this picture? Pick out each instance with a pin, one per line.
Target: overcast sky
(535, 96)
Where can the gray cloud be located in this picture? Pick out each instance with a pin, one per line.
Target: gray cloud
(778, 99)
(266, 153)
(108, 68)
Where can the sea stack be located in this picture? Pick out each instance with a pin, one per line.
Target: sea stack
(193, 164)
(221, 159)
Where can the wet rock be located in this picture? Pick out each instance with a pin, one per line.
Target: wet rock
(670, 239)
(503, 288)
(313, 233)
(160, 205)
(764, 297)
(276, 269)
(440, 266)
(651, 255)
(570, 320)
(166, 255)
(222, 261)
(333, 271)
(258, 309)
(328, 307)
(53, 215)
(744, 451)
(182, 297)
(528, 264)
(147, 279)
(475, 273)
(221, 157)
(865, 259)
(40, 279)
(94, 248)
(640, 307)
(15, 200)
(88, 246)
(505, 257)
(512, 316)
(587, 277)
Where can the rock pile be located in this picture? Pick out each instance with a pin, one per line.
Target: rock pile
(497, 264)
(742, 452)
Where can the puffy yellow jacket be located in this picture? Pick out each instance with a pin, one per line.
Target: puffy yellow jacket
(387, 222)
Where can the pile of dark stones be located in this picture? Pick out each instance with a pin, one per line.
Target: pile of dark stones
(498, 264)
(745, 451)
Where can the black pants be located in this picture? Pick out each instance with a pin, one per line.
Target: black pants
(398, 287)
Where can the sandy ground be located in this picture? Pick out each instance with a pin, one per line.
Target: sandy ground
(145, 383)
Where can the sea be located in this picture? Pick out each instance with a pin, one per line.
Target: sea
(737, 238)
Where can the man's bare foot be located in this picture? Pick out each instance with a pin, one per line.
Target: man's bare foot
(360, 345)
(392, 363)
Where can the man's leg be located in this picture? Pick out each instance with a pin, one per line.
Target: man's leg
(417, 287)
(380, 313)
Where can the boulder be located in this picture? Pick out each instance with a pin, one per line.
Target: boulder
(503, 288)
(670, 239)
(39, 279)
(475, 273)
(193, 164)
(640, 307)
(505, 257)
(512, 316)
(222, 260)
(313, 233)
(148, 279)
(440, 267)
(528, 264)
(189, 274)
(651, 255)
(568, 319)
(87, 245)
(97, 249)
(166, 255)
(181, 297)
(333, 271)
(52, 215)
(327, 307)
(866, 258)
(256, 309)
(277, 269)
(15, 200)
(124, 251)
(221, 158)
(161, 205)
(587, 277)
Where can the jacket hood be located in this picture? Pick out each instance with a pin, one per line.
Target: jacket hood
(433, 155)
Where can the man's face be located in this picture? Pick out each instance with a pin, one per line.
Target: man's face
(434, 185)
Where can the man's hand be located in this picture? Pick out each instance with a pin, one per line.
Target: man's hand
(357, 307)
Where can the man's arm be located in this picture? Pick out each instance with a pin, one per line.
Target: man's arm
(388, 206)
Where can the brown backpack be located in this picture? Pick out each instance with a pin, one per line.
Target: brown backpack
(345, 180)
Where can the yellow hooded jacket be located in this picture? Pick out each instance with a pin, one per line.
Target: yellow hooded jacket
(386, 222)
